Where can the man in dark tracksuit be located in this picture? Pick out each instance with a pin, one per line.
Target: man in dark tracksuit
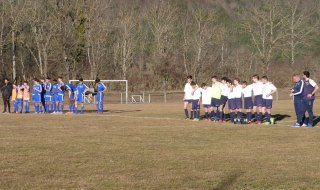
(297, 93)
(6, 94)
(309, 90)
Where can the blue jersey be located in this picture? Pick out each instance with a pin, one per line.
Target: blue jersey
(37, 89)
(81, 88)
(101, 87)
(48, 88)
(71, 87)
(60, 84)
(54, 89)
(298, 89)
(309, 86)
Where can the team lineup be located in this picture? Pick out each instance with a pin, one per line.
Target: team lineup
(255, 99)
(48, 96)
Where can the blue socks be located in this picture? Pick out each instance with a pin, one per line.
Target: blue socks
(268, 117)
(206, 115)
(213, 114)
(248, 116)
(15, 106)
(186, 113)
(232, 116)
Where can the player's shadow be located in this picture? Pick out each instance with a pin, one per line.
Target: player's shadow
(114, 111)
(316, 120)
(228, 181)
(280, 117)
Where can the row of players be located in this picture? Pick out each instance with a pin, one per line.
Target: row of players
(48, 97)
(256, 97)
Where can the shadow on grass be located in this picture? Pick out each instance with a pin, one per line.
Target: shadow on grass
(228, 181)
(280, 117)
(316, 120)
(114, 111)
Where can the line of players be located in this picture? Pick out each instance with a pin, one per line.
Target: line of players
(48, 97)
(256, 97)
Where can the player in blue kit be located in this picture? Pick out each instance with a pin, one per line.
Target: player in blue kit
(101, 89)
(54, 94)
(296, 93)
(36, 95)
(80, 94)
(72, 97)
(60, 95)
(48, 95)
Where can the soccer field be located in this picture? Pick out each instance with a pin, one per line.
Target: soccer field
(151, 146)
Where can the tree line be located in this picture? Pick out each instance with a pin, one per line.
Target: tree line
(155, 44)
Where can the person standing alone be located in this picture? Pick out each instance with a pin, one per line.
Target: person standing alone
(6, 94)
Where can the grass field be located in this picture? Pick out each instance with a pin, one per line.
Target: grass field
(153, 147)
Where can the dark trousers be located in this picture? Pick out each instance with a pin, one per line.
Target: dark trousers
(308, 107)
(299, 109)
(6, 103)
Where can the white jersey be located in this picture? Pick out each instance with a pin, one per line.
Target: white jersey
(267, 89)
(237, 90)
(206, 96)
(257, 88)
(188, 90)
(247, 91)
(196, 94)
(225, 90)
(231, 94)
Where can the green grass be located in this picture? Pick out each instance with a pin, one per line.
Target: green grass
(131, 147)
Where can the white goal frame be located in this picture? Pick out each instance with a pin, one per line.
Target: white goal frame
(108, 81)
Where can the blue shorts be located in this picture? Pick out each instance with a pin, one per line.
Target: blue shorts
(258, 101)
(238, 103)
(206, 105)
(232, 104)
(55, 98)
(100, 97)
(189, 101)
(36, 98)
(26, 101)
(80, 98)
(215, 102)
(195, 104)
(248, 103)
(60, 98)
(19, 100)
(267, 103)
(48, 98)
(224, 100)
(72, 96)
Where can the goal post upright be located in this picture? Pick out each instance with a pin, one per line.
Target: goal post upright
(126, 81)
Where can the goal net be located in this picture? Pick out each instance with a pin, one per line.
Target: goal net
(117, 90)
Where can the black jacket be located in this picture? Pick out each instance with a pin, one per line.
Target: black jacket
(7, 90)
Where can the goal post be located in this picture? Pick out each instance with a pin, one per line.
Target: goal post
(108, 81)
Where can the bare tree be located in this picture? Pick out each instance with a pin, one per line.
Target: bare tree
(204, 25)
(128, 28)
(96, 34)
(44, 26)
(16, 9)
(266, 29)
(300, 27)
